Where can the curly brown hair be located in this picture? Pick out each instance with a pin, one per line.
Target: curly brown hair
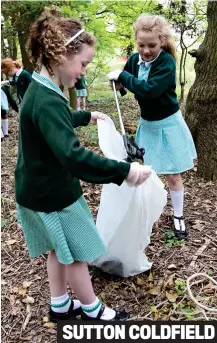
(8, 64)
(47, 38)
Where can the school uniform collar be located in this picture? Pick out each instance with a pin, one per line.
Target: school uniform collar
(19, 72)
(147, 64)
(48, 83)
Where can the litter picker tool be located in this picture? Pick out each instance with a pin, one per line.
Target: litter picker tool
(134, 153)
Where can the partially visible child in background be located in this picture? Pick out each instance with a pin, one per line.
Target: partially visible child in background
(151, 75)
(6, 99)
(20, 77)
(81, 93)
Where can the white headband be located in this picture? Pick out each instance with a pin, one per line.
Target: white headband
(75, 36)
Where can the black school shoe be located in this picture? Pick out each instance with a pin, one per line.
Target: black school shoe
(55, 317)
(120, 315)
(179, 233)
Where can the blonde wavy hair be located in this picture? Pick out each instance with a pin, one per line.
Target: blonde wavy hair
(158, 24)
(8, 65)
(47, 38)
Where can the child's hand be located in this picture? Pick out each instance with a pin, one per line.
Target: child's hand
(137, 174)
(6, 82)
(96, 115)
(118, 85)
(114, 75)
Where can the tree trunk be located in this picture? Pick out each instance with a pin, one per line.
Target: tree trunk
(201, 105)
(14, 49)
(25, 59)
(72, 97)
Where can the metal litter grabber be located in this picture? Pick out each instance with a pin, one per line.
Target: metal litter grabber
(134, 153)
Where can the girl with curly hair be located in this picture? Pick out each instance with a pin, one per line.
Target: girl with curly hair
(53, 212)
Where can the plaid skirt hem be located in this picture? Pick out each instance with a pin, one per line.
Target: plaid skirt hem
(71, 233)
(168, 143)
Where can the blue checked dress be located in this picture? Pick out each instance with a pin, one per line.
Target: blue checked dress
(71, 232)
(169, 146)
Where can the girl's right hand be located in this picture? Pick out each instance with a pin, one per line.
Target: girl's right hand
(117, 85)
(138, 174)
(6, 82)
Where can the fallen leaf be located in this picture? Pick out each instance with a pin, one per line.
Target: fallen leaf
(45, 320)
(197, 226)
(172, 266)
(154, 291)
(156, 316)
(172, 297)
(3, 282)
(150, 277)
(140, 281)
(170, 281)
(49, 325)
(26, 284)
(52, 331)
(11, 241)
(28, 300)
(15, 290)
(208, 291)
(22, 291)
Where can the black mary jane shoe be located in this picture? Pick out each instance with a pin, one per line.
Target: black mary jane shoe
(70, 314)
(179, 233)
(120, 315)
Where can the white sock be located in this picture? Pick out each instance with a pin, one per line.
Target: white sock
(5, 126)
(61, 304)
(2, 134)
(177, 198)
(93, 309)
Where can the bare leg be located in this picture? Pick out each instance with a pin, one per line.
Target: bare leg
(84, 102)
(57, 275)
(79, 280)
(175, 182)
(78, 99)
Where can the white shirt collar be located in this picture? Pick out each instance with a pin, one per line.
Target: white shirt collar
(147, 64)
(19, 72)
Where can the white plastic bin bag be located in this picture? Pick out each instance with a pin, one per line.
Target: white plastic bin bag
(126, 214)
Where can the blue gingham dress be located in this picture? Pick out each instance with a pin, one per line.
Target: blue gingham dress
(81, 92)
(168, 143)
(71, 232)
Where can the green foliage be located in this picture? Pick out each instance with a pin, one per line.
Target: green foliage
(171, 240)
(88, 134)
(4, 222)
(180, 286)
(210, 272)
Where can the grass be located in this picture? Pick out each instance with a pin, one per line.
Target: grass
(100, 89)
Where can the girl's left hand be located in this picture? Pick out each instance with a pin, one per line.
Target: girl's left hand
(96, 115)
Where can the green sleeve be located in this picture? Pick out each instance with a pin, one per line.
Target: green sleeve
(55, 123)
(81, 118)
(11, 99)
(157, 83)
(27, 78)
